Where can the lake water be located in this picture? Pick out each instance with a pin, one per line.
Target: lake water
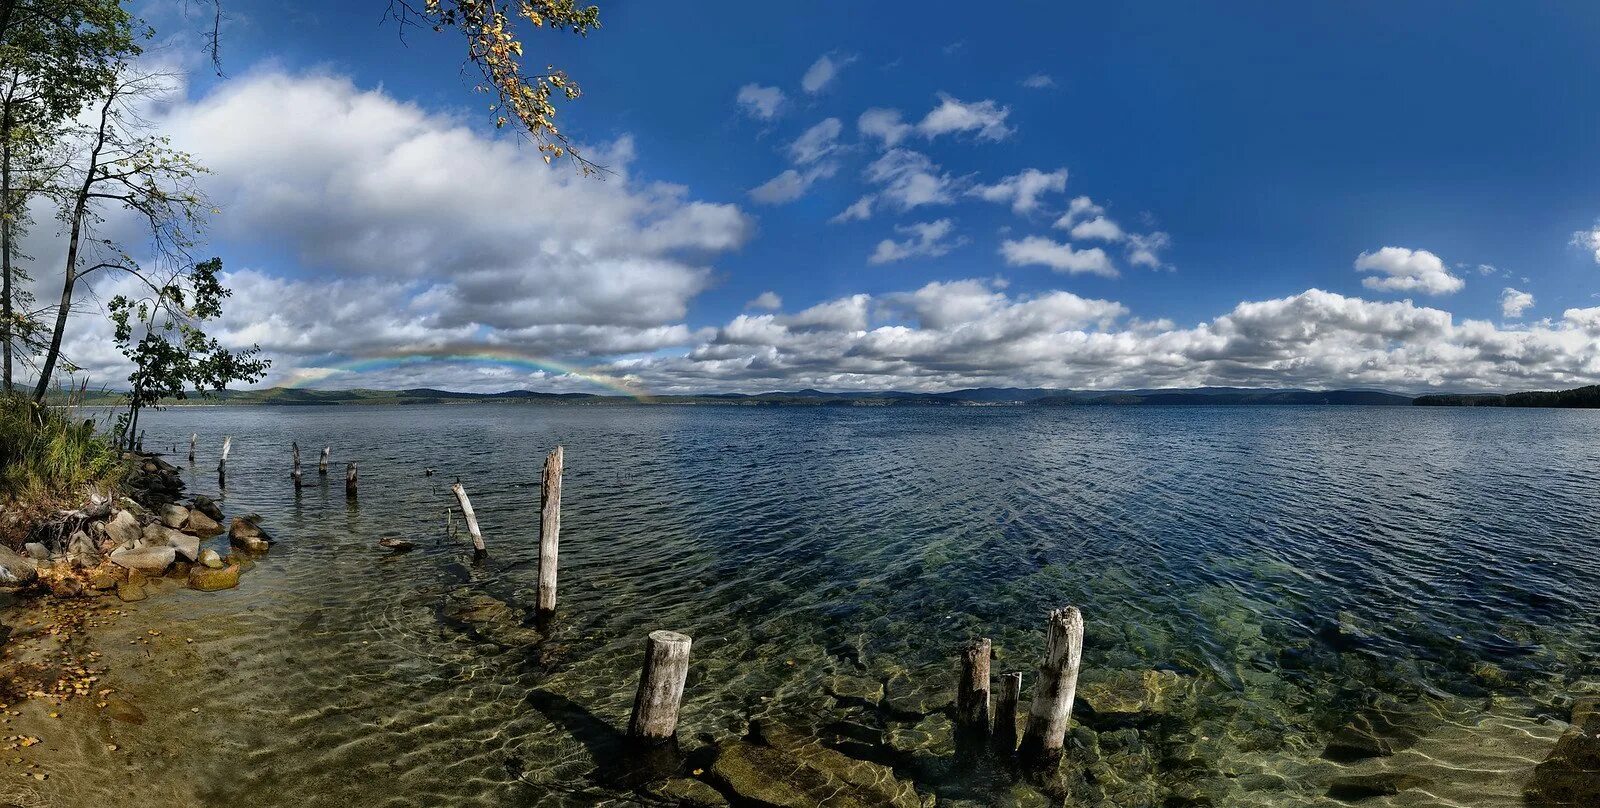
(1296, 568)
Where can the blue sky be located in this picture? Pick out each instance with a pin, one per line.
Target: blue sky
(1257, 150)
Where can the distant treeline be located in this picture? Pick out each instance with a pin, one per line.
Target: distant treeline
(1584, 397)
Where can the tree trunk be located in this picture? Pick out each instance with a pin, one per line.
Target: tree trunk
(5, 234)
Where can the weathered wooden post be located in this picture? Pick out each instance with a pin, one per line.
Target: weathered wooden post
(296, 473)
(322, 463)
(194, 437)
(472, 518)
(1051, 710)
(655, 707)
(222, 463)
(972, 692)
(1005, 711)
(550, 528)
(350, 480)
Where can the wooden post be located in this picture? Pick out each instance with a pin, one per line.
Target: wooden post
(1051, 710)
(655, 707)
(296, 473)
(222, 463)
(472, 518)
(550, 528)
(141, 440)
(350, 480)
(194, 437)
(322, 464)
(972, 692)
(1005, 711)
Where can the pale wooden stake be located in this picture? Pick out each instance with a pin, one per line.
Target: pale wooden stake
(666, 667)
(1006, 697)
(322, 464)
(350, 480)
(972, 692)
(466, 513)
(296, 473)
(227, 446)
(550, 528)
(1051, 710)
(194, 437)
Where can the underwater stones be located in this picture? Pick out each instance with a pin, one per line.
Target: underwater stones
(1375, 732)
(1129, 695)
(791, 772)
(916, 696)
(246, 532)
(199, 524)
(208, 579)
(933, 732)
(397, 545)
(211, 559)
(858, 689)
(491, 619)
(173, 515)
(123, 528)
(686, 791)
(131, 590)
(1356, 787)
(1570, 776)
(151, 559)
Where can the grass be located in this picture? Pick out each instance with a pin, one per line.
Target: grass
(49, 456)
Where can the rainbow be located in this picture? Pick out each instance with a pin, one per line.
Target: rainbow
(498, 358)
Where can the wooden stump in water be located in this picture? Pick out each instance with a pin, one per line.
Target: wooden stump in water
(322, 463)
(222, 463)
(295, 445)
(472, 518)
(550, 528)
(350, 480)
(972, 691)
(194, 437)
(1005, 711)
(1051, 710)
(655, 707)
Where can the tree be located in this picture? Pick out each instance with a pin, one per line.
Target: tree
(121, 165)
(162, 334)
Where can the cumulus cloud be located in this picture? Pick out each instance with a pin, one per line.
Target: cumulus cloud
(859, 211)
(1057, 256)
(1589, 240)
(817, 142)
(1039, 81)
(1144, 249)
(1099, 228)
(766, 300)
(1513, 303)
(790, 184)
(910, 179)
(928, 239)
(822, 72)
(1022, 190)
(1404, 270)
(761, 103)
(985, 119)
(883, 124)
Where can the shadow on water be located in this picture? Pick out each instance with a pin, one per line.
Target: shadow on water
(620, 762)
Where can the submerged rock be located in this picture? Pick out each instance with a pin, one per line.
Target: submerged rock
(791, 774)
(207, 506)
(1377, 731)
(1129, 695)
(1570, 776)
(492, 619)
(1354, 787)
(689, 792)
(211, 559)
(130, 591)
(397, 545)
(246, 532)
(199, 524)
(207, 579)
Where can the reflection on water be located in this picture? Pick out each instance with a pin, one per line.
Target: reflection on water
(1289, 574)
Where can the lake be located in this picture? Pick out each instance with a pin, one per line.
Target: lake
(1276, 579)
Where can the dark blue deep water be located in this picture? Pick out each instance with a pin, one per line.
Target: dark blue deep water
(1282, 571)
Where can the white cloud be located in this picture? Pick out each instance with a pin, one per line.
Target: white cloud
(822, 72)
(1099, 228)
(1144, 249)
(883, 124)
(790, 185)
(1023, 189)
(761, 103)
(859, 211)
(1079, 209)
(1404, 270)
(766, 300)
(910, 179)
(817, 142)
(927, 239)
(1589, 240)
(986, 118)
(1059, 257)
(1513, 303)
(1039, 81)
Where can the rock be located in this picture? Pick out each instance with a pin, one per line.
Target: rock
(130, 591)
(915, 696)
(151, 559)
(1354, 787)
(1570, 776)
(124, 528)
(806, 776)
(936, 732)
(207, 579)
(202, 525)
(246, 532)
(1128, 695)
(206, 505)
(82, 550)
(159, 535)
(397, 545)
(854, 689)
(685, 791)
(491, 619)
(16, 570)
(211, 559)
(1377, 731)
(106, 577)
(174, 516)
(66, 587)
(36, 551)
(123, 710)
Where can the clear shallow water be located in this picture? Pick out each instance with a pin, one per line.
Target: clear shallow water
(1294, 565)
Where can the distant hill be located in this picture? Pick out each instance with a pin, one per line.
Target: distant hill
(1580, 397)
(1214, 396)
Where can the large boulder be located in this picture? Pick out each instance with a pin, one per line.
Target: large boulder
(246, 532)
(123, 528)
(174, 516)
(791, 772)
(148, 559)
(187, 546)
(82, 550)
(207, 506)
(1570, 776)
(16, 570)
(202, 525)
(207, 579)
